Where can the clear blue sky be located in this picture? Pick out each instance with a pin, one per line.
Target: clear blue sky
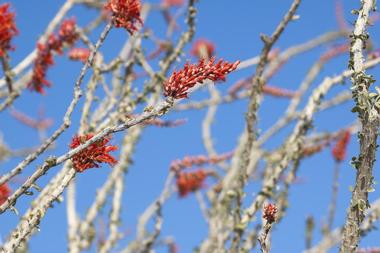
(234, 26)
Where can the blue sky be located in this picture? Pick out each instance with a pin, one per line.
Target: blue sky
(234, 27)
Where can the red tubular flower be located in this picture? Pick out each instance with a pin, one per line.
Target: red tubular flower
(203, 49)
(67, 35)
(269, 213)
(180, 82)
(190, 181)
(125, 13)
(93, 155)
(7, 29)
(79, 54)
(5, 191)
(340, 149)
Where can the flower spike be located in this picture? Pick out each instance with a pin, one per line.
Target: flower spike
(125, 13)
(93, 155)
(179, 83)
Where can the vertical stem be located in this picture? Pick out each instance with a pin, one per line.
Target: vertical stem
(369, 118)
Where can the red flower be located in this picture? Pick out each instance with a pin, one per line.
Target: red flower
(180, 82)
(172, 3)
(125, 13)
(79, 54)
(340, 149)
(43, 60)
(93, 155)
(67, 35)
(269, 213)
(203, 48)
(5, 191)
(7, 29)
(190, 181)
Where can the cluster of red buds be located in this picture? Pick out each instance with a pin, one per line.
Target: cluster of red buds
(172, 3)
(93, 155)
(340, 149)
(7, 29)
(5, 192)
(190, 181)
(269, 213)
(79, 54)
(179, 83)
(125, 13)
(67, 36)
(190, 161)
(203, 49)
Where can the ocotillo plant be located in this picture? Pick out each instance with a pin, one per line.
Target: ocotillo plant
(189, 126)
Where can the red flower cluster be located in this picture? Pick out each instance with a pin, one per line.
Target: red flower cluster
(7, 29)
(269, 212)
(67, 33)
(203, 49)
(90, 157)
(125, 13)
(340, 149)
(190, 181)
(5, 191)
(189, 161)
(172, 3)
(180, 82)
(79, 54)
(66, 36)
